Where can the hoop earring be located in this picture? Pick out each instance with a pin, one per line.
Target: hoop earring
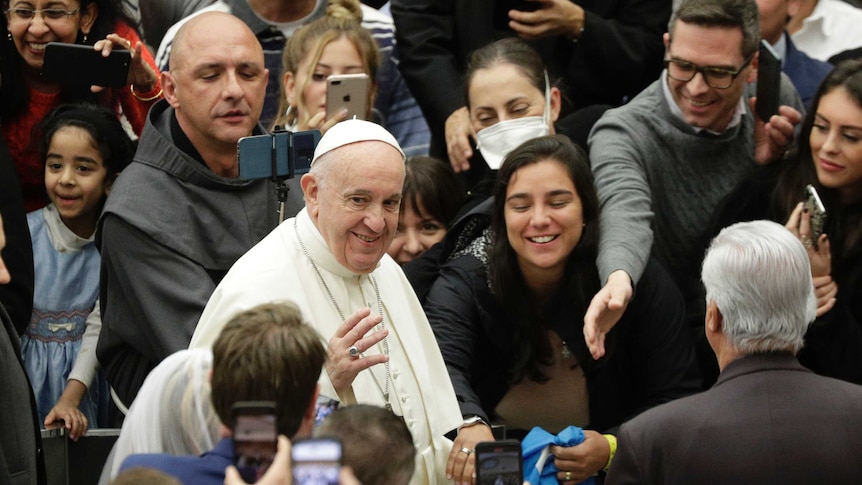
(288, 111)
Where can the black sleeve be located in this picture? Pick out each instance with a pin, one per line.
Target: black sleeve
(427, 46)
(660, 347)
(454, 315)
(833, 343)
(17, 295)
(620, 51)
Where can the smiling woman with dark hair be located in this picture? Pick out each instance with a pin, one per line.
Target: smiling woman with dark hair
(829, 158)
(511, 332)
(26, 98)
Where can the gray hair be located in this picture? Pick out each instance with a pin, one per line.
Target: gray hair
(742, 14)
(759, 276)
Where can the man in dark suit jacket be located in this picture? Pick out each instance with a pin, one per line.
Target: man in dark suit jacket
(20, 443)
(805, 73)
(767, 419)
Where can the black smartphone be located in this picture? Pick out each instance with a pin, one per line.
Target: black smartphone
(501, 11)
(499, 463)
(347, 91)
(818, 212)
(255, 438)
(83, 65)
(289, 153)
(316, 461)
(768, 82)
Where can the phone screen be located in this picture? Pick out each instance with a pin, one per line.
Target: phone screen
(255, 440)
(499, 463)
(316, 461)
(304, 143)
(323, 408)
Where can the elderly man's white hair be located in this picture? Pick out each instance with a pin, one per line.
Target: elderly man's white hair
(759, 276)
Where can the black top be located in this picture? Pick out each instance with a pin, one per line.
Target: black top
(833, 344)
(650, 361)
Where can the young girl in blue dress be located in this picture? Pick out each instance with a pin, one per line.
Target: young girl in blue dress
(84, 147)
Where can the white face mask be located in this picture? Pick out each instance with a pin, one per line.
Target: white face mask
(495, 142)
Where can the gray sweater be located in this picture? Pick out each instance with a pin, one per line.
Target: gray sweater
(659, 181)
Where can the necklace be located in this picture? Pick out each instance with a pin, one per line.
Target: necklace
(384, 390)
(565, 352)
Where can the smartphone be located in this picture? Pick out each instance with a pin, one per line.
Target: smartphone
(323, 408)
(818, 213)
(83, 65)
(316, 461)
(499, 463)
(768, 82)
(347, 91)
(255, 437)
(290, 154)
(501, 11)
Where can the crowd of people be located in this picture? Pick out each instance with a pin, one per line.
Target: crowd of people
(552, 215)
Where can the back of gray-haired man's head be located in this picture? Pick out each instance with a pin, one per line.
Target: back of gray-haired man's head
(759, 277)
(742, 14)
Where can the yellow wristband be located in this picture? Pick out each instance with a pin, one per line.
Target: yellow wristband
(612, 442)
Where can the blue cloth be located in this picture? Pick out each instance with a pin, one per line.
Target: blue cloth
(805, 72)
(539, 466)
(66, 288)
(207, 469)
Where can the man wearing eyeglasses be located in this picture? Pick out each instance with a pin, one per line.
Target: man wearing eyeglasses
(663, 162)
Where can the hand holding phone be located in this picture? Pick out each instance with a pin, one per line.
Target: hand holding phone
(768, 82)
(255, 438)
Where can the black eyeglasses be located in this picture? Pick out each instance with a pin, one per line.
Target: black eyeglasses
(715, 77)
(27, 14)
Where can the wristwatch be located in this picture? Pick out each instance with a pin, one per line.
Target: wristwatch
(471, 421)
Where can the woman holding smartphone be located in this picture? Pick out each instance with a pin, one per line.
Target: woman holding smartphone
(511, 332)
(333, 45)
(25, 98)
(829, 158)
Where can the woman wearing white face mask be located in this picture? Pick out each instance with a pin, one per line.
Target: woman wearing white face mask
(511, 99)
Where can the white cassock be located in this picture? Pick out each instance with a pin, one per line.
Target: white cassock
(277, 269)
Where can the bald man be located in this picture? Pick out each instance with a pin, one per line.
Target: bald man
(178, 217)
(331, 261)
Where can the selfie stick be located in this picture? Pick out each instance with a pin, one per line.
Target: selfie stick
(280, 182)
